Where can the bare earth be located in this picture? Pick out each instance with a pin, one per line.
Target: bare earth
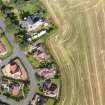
(79, 48)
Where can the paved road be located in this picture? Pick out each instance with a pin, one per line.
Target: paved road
(19, 53)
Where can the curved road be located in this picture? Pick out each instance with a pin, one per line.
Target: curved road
(31, 73)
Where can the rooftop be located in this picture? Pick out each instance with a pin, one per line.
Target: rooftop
(15, 70)
(39, 100)
(50, 89)
(40, 53)
(47, 73)
(32, 19)
(16, 90)
(32, 22)
(10, 87)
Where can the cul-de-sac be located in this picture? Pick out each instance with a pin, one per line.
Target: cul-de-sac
(29, 74)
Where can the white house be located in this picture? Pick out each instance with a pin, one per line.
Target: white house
(32, 22)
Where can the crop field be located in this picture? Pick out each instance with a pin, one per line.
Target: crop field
(79, 49)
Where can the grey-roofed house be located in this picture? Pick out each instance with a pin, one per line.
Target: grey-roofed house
(32, 22)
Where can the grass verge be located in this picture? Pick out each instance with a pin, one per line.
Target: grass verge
(8, 47)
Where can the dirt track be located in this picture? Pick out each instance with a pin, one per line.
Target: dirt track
(79, 48)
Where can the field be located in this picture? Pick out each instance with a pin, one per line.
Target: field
(79, 49)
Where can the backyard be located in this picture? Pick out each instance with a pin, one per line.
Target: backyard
(51, 102)
(33, 61)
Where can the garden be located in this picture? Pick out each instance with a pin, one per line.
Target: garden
(14, 89)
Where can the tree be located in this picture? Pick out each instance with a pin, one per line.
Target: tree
(1, 32)
(6, 9)
(1, 3)
(10, 27)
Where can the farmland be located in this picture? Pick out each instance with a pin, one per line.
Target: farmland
(79, 49)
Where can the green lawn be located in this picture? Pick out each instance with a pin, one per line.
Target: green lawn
(38, 81)
(50, 102)
(33, 61)
(8, 47)
(56, 81)
(31, 8)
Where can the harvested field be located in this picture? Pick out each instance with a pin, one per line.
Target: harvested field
(79, 49)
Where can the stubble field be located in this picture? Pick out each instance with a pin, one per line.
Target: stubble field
(79, 49)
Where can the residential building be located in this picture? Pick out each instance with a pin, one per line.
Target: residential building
(49, 88)
(40, 53)
(39, 100)
(47, 73)
(13, 70)
(9, 87)
(31, 23)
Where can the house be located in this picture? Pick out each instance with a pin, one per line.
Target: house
(49, 88)
(3, 49)
(16, 90)
(47, 73)
(39, 100)
(40, 53)
(13, 70)
(31, 23)
(9, 87)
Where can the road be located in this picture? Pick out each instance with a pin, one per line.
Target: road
(31, 73)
